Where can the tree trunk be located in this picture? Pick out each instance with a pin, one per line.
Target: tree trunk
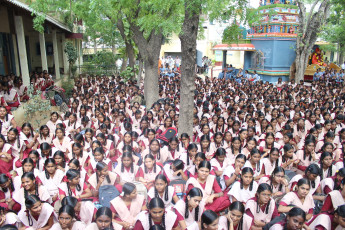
(130, 54)
(151, 89)
(113, 49)
(95, 46)
(188, 39)
(140, 71)
(124, 63)
(310, 26)
(149, 47)
(341, 54)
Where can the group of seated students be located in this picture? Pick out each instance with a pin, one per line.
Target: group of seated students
(13, 91)
(260, 156)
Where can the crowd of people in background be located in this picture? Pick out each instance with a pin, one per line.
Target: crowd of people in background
(260, 156)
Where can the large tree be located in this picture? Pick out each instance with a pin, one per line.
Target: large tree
(310, 26)
(193, 10)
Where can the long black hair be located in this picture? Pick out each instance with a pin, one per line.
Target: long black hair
(129, 155)
(159, 151)
(313, 169)
(190, 147)
(244, 171)
(48, 161)
(156, 202)
(154, 165)
(30, 201)
(237, 205)
(208, 217)
(166, 191)
(3, 179)
(99, 167)
(193, 193)
(71, 174)
(105, 211)
(275, 171)
(323, 156)
(31, 176)
(263, 187)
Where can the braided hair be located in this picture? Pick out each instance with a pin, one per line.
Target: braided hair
(30, 201)
(44, 147)
(3, 179)
(191, 147)
(295, 211)
(37, 155)
(105, 211)
(71, 174)
(244, 171)
(130, 156)
(150, 156)
(158, 153)
(238, 206)
(323, 156)
(78, 145)
(286, 148)
(99, 167)
(156, 202)
(41, 130)
(194, 192)
(62, 155)
(307, 142)
(70, 201)
(275, 171)
(30, 127)
(263, 187)
(313, 169)
(30, 176)
(340, 173)
(271, 152)
(166, 189)
(208, 217)
(15, 131)
(252, 153)
(48, 161)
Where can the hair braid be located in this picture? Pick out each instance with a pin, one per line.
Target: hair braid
(122, 168)
(251, 185)
(166, 195)
(163, 220)
(150, 220)
(187, 211)
(268, 206)
(69, 189)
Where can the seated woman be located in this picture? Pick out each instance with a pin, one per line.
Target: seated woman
(103, 220)
(157, 215)
(190, 208)
(10, 95)
(212, 193)
(101, 177)
(209, 220)
(31, 187)
(162, 190)
(294, 220)
(312, 173)
(67, 220)
(73, 187)
(277, 182)
(236, 219)
(149, 170)
(244, 189)
(51, 178)
(301, 198)
(127, 206)
(175, 171)
(262, 207)
(126, 170)
(326, 221)
(6, 192)
(84, 210)
(37, 215)
(334, 199)
(333, 183)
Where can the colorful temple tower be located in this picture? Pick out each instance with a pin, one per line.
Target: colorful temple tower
(274, 38)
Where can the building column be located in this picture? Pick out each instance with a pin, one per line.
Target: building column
(15, 51)
(56, 56)
(18, 20)
(65, 60)
(43, 51)
(224, 58)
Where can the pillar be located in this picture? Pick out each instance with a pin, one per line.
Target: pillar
(16, 57)
(56, 56)
(24, 67)
(43, 51)
(65, 60)
(224, 58)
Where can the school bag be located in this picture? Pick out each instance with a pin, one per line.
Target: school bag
(180, 187)
(107, 193)
(166, 136)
